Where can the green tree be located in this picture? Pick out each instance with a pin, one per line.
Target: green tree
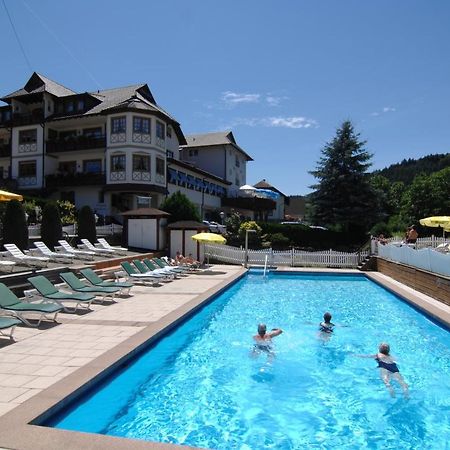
(343, 199)
(15, 228)
(67, 212)
(254, 239)
(86, 224)
(51, 227)
(180, 208)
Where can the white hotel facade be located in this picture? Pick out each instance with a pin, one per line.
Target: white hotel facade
(108, 148)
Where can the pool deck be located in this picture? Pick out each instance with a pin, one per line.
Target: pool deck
(52, 363)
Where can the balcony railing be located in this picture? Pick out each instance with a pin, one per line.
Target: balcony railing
(76, 143)
(75, 179)
(5, 150)
(27, 119)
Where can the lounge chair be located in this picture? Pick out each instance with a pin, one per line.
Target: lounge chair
(8, 322)
(144, 269)
(81, 254)
(91, 247)
(10, 303)
(50, 292)
(55, 256)
(105, 244)
(95, 280)
(158, 262)
(77, 285)
(27, 260)
(131, 274)
(443, 248)
(7, 266)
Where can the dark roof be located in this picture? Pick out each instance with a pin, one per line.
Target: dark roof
(187, 224)
(263, 184)
(38, 83)
(212, 139)
(146, 212)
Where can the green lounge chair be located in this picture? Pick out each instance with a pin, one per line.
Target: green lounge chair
(50, 292)
(153, 271)
(77, 285)
(134, 276)
(95, 280)
(11, 304)
(8, 322)
(158, 262)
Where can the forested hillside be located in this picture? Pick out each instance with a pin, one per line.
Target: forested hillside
(406, 170)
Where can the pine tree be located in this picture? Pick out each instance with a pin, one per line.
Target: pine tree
(86, 224)
(343, 199)
(15, 228)
(51, 227)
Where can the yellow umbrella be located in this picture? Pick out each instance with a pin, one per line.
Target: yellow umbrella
(209, 238)
(436, 221)
(7, 196)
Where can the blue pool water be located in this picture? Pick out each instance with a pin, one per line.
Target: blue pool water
(199, 387)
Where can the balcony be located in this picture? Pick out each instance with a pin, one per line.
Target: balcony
(76, 143)
(5, 150)
(75, 179)
(27, 119)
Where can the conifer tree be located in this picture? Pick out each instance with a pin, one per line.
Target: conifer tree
(86, 224)
(343, 199)
(51, 227)
(15, 228)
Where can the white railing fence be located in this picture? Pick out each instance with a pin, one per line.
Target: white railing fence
(425, 242)
(292, 258)
(71, 230)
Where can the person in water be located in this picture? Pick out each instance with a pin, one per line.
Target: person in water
(263, 340)
(326, 326)
(388, 369)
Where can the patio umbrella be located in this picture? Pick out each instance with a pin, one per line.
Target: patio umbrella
(7, 196)
(209, 238)
(437, 221)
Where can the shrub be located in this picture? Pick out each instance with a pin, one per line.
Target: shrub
(86, 224)
(67, 212)
(15, 228)
(51, 227)
(254, 239)
(180, 208)
(279, 241)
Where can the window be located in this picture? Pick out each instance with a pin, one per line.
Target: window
(141, 163)
(67, 167)
(69, 107)
(118, 125)
(117, 163)
(27, 136)
(169, 132)
(160, 166)
(80, 105)
(27, 169)
(141, 125)
(170, 154)
(93, 132)
(193, 152)
(160, 130)
(66, 135)
(92, 166)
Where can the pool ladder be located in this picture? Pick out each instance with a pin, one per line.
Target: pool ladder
(265, 266)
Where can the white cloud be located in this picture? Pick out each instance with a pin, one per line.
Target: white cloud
(388, 109)
(234, 98)
(280, 122)
(273, 100)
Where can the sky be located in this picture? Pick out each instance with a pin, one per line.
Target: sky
(282, 75)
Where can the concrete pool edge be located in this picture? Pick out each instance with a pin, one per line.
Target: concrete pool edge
(17, 432)
(17, 428)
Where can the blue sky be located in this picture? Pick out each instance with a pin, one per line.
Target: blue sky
(281, 75)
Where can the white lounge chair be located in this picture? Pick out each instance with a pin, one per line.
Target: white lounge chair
(103, 251)
(55, 256)
(7, 266)
(81, 254)
(443, 248)
(105, 244)
(27, 260)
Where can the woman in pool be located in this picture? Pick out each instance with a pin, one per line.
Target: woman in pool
(388, 369)
(263, 340)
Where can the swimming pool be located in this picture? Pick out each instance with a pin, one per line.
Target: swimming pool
(199, 387)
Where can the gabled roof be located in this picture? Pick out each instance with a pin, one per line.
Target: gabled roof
(263, 184)
(38, 83)
(212, 139)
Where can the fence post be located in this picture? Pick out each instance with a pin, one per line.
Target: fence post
(292, 257)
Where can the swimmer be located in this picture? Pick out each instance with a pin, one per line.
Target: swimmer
(388, 369)
(263, 340)
(326, 326)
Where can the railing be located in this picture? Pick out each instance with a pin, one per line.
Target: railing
(75, 179)
(425, 242)
(27, 119)
(71, 230)
(292, 258)
(76, 143)
(425, 258)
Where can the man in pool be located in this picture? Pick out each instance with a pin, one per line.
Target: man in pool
(326, 326)
(388, 369)
(263, 340)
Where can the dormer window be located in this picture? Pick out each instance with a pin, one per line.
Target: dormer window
(69, 107)
(80, 105)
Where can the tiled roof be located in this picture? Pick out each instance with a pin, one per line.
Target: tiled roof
(111, 98)
(263, 184)
(212, 139)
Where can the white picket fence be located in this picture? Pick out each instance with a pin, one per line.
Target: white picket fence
(292, 258)
(71, 230)
(425, 242)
